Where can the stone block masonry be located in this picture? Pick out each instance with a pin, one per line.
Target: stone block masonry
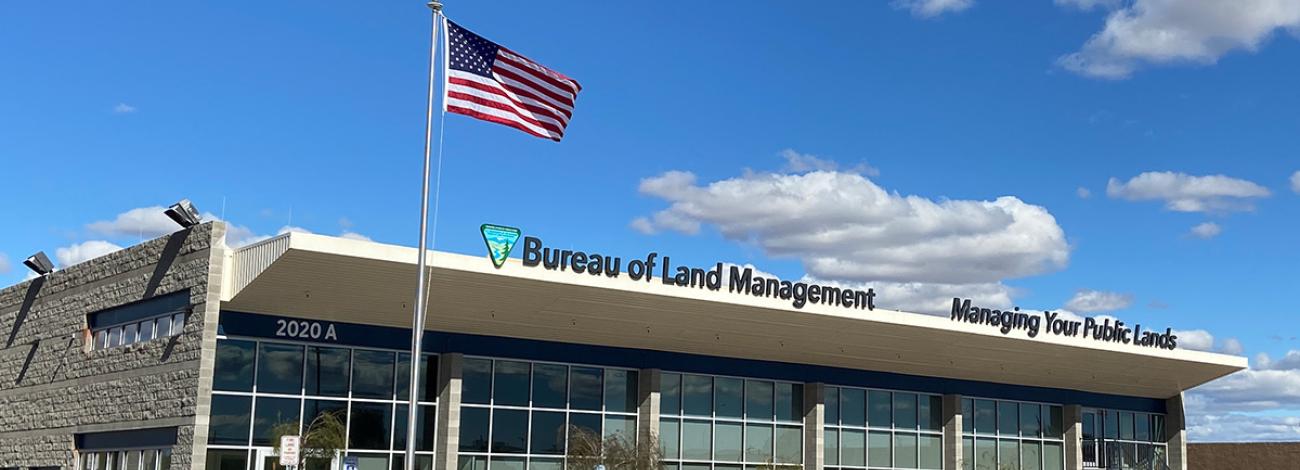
(53, 385)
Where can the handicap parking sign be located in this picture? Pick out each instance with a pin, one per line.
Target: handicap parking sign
(350, 463)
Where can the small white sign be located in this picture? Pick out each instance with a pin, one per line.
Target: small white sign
(289, 450)
(350, 462)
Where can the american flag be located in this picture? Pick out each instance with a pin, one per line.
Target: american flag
(492, 83)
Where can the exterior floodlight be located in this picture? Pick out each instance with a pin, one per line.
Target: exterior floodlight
(39, 263)
(184, 213)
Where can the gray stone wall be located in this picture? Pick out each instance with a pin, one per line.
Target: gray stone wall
(53, 386)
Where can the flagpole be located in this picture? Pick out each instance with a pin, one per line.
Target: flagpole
(417, 322)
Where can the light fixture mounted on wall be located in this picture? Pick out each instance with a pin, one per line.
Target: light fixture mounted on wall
(184, 214)
(39, 263)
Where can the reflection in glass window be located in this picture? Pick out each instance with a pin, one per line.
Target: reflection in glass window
(279, 368)
(1028, 435)
(370, 425)
(585, 388)
(373, 373)
(229, 421)
(550, 385)
(328, 371)
(735, 423)
(271, 412)
(621, 390)
(234, 368)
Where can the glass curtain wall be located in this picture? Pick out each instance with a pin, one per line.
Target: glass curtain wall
(881, 429)
(729, 423)
(1124, 440)
(259, 384)
(1010, 435)
(518, 415)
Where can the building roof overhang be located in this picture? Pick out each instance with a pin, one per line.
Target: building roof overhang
(343, 280)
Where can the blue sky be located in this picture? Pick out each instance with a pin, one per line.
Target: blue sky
(286, 114)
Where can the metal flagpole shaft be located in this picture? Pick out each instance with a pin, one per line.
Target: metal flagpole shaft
(417, 322)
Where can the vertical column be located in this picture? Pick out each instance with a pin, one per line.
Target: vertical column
(1073, 416)
(814, 421)
(648, 386)
(952, 433)
(1176, 432)
(447, 443)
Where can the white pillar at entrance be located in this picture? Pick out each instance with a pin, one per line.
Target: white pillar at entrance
(447, 442)
(952, 434)
(1176, 432)
(1073, 415)
(814, 420)
(648, 386)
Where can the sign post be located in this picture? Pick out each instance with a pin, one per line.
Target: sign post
(289, 448)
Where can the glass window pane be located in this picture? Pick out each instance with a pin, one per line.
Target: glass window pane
(669, 436)
(507, 463)
(129, 336)
(428, 377)
(548, 433)
(853, 407)
(425, 421)
(789, 402)
(621, 390)
(132, 460)
(696, 437)
(905, 411)
(373, 374)
(234, 368)
(101, 339)
(1008, 418)
(1126, 426)
(585, 423)
(272, 412)
(150, 460)
(510, 383)
(1142, 423)
(697, 395)
(854, 443)
(985, 417)
(1053, 422)
(1031, 455)
(789, 444)
(1112, 425)
(545, 464)
(1053, 456)
(471, 463)
(929, 411)
(1029, 424)
(832, 446)
(550, 385)
(1157, 428)
(931, 449)
(476, 381)
(728, 398)
(758, 399)
(967, 417)
(146, 330)
(880, 405)
(178, 323)
(586, 388)
(370, 426)
(1158, 456)
(279, 368)
(986, 450)
(1008, 454)
(225, 459)
(758, 442)
(623, 427)
(327, 371)
(879, 449)
(230, 419)
(831, 401)
(370, 461)
(314, 409)
(115, 337)
(670, 394)
(164, 327)
(968, 452)
(905, 450)
(727, 442)
(509, 430)
(473, 429)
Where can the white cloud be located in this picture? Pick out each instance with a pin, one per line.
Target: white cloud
(146, 222)
(79, 252)
(123, 108)
(1197, 340)
(354, 236)
(1083, 193)
(5, 266)
(932, 8)
(844, 227)
(1091, 301)
(291, 229)
(1206, 230)
(1295, 182)
(796, 162)
(1186, 193)
(1158, 32)
(1232, 346)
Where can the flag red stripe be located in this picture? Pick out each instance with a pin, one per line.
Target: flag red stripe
(533, 105)
(511, 75)
(507, 108)
(573, 84)
(531, 68)
(499, 120)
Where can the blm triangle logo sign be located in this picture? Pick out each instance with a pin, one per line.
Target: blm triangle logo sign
(500, 240)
